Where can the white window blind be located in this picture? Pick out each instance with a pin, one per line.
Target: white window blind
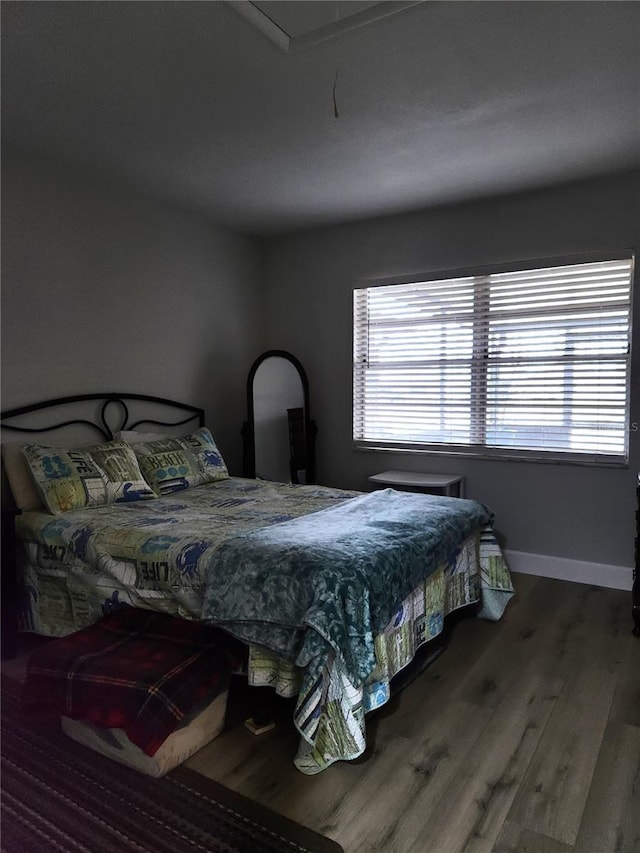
(510, 363)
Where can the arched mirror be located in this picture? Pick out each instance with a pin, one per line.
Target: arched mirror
(279, 436)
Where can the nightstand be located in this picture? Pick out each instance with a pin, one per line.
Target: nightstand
(451, 485)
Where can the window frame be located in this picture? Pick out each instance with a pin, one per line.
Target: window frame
(481, 451)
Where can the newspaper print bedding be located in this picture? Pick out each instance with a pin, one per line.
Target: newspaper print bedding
(79, 566)
(152, 554)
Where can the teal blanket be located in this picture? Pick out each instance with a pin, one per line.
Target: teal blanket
(341, 572)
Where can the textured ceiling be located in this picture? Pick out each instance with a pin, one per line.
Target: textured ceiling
(441, 102)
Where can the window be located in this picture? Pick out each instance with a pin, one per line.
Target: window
(531, 362)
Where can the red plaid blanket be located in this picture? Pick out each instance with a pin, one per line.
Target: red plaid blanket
(134, 670)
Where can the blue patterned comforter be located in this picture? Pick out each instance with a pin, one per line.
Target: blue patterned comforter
(321, 582)
(332, 579)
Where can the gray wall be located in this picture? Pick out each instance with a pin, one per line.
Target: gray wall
(106, 291)
(102, 289)
(577, 512)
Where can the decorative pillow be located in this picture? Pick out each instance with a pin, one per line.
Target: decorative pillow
(92, 476)
(23, 488)
(172, 464)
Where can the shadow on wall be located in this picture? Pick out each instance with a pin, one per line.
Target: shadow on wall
(220, 389)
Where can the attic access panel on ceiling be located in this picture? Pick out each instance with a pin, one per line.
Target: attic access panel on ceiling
(293, 25)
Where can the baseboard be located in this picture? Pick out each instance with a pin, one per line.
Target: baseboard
(579, 571)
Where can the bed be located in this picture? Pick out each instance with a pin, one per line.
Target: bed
(332, 591)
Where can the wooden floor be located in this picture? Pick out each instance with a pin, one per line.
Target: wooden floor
(523, 736)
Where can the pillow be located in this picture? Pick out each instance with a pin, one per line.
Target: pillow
(172, 464)
(132, 436)
(92, 476)
(23, 488)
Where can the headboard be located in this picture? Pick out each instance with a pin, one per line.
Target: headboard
(107, 413)
(80, 417)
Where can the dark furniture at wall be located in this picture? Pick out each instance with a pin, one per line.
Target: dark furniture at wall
(297, 445)
(635, 592)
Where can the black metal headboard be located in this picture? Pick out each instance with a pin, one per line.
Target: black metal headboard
(101, 416)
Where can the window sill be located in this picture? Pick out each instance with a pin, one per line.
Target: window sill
(497, 456)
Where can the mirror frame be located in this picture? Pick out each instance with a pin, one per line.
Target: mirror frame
(248, 427)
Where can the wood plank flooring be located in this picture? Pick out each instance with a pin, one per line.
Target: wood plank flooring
(522, 737)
